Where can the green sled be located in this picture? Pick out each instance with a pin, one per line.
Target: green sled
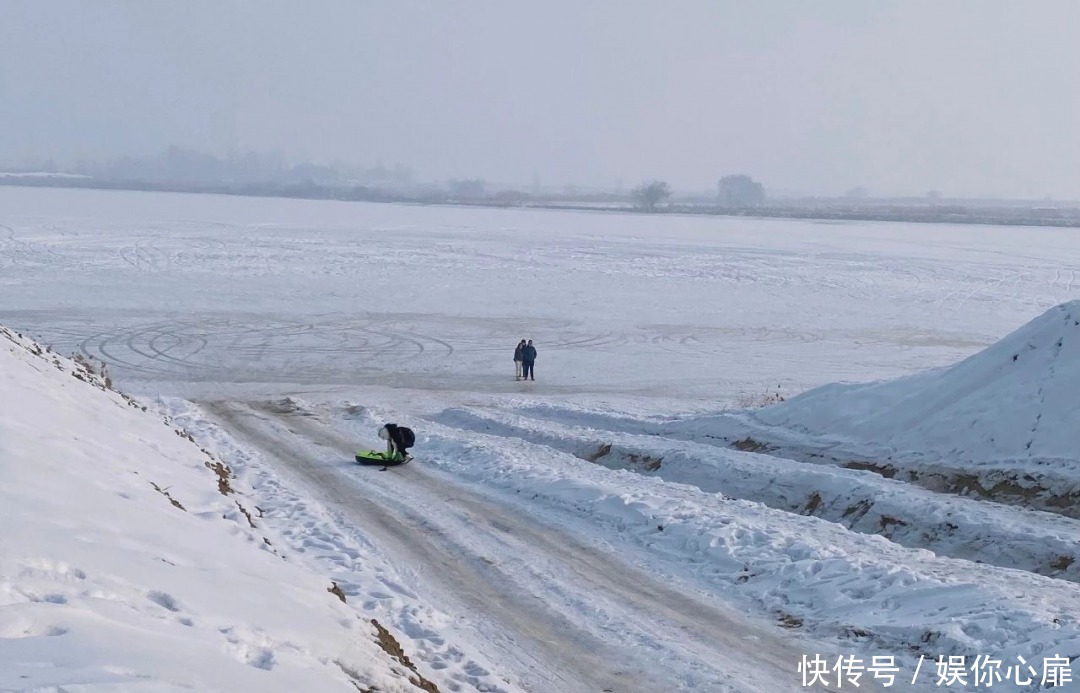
(380, 458)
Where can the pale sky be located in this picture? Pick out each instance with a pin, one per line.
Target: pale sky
(970, 97)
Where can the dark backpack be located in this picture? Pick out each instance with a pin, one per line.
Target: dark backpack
(408, 438)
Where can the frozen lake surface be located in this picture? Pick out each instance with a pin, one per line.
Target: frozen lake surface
(194, 293)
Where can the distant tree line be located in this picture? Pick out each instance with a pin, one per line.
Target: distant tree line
(737, 191)
(183, 166)
(647, 197)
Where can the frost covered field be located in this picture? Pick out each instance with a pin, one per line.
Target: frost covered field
(617, 525)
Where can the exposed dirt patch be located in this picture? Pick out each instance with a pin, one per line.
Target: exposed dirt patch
(788, 621)
(855, 512)
(224, 474)
(632, 460)
(1053, 490)
(885, 470)
(246, 514)
(969, 484)
(645, 462)
(813, 504)
(165, 492)
(748, 444)
(849, 633)
(1063, 562)
(336, 591)
(393, 648)
(1010, 488)
(1069, 504)
(602, 451)
(886, 523)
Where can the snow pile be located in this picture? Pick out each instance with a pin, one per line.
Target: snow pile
(1015, 400)
(128, 560)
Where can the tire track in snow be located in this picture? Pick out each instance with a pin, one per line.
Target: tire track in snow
(541, 583)
(541, 644)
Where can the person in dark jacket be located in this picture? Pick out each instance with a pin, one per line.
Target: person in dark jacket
(528, 357)
(398, 440)
(518, 359)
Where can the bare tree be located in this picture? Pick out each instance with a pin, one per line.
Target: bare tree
(648, 195)
(740, 191)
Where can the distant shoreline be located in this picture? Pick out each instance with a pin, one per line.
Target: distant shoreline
(914, 211)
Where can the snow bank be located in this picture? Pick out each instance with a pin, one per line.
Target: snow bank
(128, 561)
(862, 592)
(1015, 401)
(859, 500)
(1000, 425)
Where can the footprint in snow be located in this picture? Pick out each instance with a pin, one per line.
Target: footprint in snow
(164, 600)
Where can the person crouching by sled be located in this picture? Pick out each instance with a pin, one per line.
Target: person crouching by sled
(398, 440)
(518, 359)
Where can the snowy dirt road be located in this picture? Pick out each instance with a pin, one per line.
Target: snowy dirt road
(557, 611)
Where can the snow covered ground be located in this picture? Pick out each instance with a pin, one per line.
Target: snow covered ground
(127, 562)
(614, 525)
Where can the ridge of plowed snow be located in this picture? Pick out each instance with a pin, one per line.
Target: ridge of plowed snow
(1015, 400)
(123, 567)
(858, 589)
(863, 501)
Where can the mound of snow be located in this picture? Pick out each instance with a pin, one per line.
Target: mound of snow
(127, 561)
(1015, 400)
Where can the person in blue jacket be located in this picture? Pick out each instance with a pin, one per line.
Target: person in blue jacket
(528, 357)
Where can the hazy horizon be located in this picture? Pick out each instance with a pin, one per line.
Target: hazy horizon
(973, 99)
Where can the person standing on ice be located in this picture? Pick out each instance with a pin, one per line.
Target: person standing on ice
(518, 359)
(528, 356)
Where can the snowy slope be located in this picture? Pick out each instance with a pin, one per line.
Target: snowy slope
(126, 562)
(1014, 401)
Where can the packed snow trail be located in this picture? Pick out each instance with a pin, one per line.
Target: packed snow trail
(560, 615)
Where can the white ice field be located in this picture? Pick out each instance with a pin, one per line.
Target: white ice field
(595, 529)
(214, 289)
